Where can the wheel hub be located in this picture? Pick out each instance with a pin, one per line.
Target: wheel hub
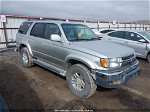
(25, 58)
(78, 82)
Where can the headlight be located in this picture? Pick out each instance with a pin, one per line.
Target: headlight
(111, 62)
(134, 53)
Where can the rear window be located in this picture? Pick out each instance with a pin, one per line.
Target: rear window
(24, 27)
(145, 34)
(106, 31)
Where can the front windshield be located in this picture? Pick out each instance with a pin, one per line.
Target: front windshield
(77, 32)
(145, 34)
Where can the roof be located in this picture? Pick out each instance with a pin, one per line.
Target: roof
(130, 30)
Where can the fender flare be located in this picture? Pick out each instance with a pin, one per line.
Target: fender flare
(27, 45)
(81, 59)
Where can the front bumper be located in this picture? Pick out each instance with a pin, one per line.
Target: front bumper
(117, 78)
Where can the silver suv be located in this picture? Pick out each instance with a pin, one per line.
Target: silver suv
(75, 52)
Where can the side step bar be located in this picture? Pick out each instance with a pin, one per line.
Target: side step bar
(50, 67)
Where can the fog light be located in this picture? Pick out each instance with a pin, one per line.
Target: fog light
(117, 82)
(110, 82)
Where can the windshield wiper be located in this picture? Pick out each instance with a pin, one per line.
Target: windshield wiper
(80, 39)
(95, 39)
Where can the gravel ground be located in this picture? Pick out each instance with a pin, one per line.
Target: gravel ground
(38, 89)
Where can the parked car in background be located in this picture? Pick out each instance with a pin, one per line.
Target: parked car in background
(104, 31)
(138, 40)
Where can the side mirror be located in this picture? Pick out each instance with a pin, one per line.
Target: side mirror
(142, 40)
(100, 37)
(55, 37)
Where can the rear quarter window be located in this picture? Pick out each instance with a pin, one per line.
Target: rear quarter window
(24, 27)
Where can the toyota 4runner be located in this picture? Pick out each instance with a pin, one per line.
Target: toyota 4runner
(75, 52)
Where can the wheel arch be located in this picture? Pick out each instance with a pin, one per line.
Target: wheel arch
(81, 60)
(25, 45)
(147, 55)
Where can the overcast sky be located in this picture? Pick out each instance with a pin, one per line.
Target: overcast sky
(105, 10)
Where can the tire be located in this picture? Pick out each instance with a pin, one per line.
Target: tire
(80, 81)
(3, 105)
(27, 59)
(148, 57)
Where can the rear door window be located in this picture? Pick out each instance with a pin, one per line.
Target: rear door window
(118, 34)
(38, 30)
(24, 27)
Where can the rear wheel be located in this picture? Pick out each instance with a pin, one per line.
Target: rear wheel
(26, 57)
(3, 105)
(148, 57)
(80, 81)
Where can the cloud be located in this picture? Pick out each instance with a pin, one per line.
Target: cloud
(107, 10)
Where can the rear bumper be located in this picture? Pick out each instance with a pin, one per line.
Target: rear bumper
(117, 78)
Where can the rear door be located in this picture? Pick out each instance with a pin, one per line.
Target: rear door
(132, 40)
(36, 40)
(117, 37)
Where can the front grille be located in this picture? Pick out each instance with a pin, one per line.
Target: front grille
(128, 57)
(128, 60)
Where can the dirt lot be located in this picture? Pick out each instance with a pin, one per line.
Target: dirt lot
(39, 89)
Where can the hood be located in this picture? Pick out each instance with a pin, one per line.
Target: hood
(102, 48)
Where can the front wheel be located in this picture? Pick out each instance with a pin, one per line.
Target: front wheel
(148, 57)
(80, 81)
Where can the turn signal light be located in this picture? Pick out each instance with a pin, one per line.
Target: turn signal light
(104, 63)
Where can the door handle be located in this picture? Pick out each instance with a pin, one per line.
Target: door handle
(44, 44)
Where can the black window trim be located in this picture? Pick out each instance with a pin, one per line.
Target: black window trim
(45, 29)
(33, 27)
(45, 23)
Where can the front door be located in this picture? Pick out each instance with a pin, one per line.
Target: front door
(55, 52)
(132, 40)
